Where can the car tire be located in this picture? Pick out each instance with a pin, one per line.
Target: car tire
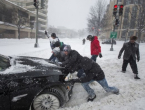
(50, 99)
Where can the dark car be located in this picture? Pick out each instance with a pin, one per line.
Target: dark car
(109, 41)
(30, 83)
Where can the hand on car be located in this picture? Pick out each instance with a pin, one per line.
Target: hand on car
(68, 77)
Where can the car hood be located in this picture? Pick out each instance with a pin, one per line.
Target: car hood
(31, 66)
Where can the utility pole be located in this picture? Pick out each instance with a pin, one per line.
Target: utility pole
(36, 44)
(36, 4)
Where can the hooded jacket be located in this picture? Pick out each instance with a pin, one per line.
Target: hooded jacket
(95, 46)
(92, 70)
(73, 61)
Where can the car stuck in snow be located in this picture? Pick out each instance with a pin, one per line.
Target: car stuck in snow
(30, 83)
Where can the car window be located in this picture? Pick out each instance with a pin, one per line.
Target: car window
(4, 62)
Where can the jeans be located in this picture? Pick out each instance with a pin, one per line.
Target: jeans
(52, 58)
(103, 83)
(80, 73)
(94, 57)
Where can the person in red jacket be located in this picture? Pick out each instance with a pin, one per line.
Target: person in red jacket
(95, 47)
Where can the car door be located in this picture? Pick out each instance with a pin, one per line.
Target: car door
(22, 92)
(4, 95)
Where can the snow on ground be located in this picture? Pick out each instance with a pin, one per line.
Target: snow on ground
(132, 92)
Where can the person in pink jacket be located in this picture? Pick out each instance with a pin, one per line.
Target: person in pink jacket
(95, 47)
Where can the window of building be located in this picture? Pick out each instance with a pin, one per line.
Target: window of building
(133, 17)
(135, 1)
(126, 18)
(130, 33)
(30, 3)
(127, 2)
(123, 34)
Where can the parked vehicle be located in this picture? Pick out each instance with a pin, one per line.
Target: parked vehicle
(109, 41)
(30, 83)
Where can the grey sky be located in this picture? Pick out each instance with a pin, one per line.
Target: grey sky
(71, 14)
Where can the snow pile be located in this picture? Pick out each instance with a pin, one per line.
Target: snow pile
(43, 62)
(132, 92)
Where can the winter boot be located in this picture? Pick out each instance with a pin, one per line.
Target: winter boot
(136, 76)
(91, 98)
(123, 71)
(116, 92)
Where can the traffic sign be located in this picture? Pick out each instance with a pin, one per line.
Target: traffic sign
(113, 35)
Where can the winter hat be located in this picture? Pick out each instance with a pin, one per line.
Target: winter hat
(57, 44)
(67, 48)
(89, 37)
(56, 50)
(53, 35)
(133, 38)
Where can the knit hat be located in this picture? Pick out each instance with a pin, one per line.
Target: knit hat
(53, 35)
(89, 37)
(67, 48)
(57, 44)
(56, 51)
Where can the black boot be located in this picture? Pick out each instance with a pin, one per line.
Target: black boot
(136, 76)
(123, 71)
(91, 99)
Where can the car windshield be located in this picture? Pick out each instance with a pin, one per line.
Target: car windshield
(4, 62)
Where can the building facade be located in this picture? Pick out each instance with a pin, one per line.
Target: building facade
(129, 22)
(42, 13)
(15, 21)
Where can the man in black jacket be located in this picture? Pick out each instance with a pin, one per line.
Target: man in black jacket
(92, 70)
(131, 50)
(73, 59)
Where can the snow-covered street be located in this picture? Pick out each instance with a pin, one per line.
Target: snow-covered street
(132, 92)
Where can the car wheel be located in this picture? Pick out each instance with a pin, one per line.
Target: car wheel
(50, 99)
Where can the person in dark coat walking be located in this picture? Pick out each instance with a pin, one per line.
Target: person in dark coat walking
(84, 41)
(92, 70)
(131, 50)
(95, 47)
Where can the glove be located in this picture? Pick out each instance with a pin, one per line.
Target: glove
(68, 77)
(100, 55)
(119, 57)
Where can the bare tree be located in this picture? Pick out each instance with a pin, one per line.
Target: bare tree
(96, 15)
(20, 19)
(105, 22)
